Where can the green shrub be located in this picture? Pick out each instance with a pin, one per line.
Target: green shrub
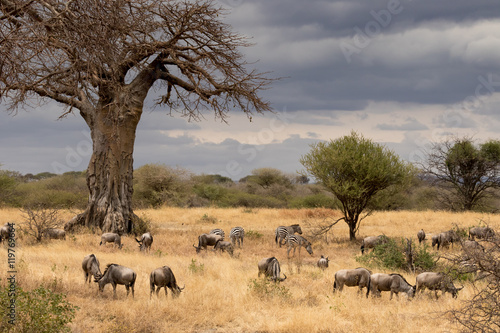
(40, 310)
(318, 200)
(264, 288)
(196, 268)
(252, 234)
(208, 219)
(423, 259)
(391, 255)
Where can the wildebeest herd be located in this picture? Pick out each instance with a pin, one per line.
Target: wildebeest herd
(291, 236)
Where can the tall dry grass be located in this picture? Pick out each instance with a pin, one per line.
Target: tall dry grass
(218, 295)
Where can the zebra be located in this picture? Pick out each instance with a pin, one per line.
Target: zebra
(219, 232)
(295, 241)
(282, 232)
(237, 234)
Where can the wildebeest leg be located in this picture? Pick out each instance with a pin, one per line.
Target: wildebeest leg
(158, 292)
(114, 289)
(128, 289)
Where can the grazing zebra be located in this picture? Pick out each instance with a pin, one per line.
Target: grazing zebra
(237, 234)
(219, 232)
(282, 232)
(295, 241)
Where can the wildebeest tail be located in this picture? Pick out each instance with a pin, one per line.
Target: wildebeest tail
(368, 287)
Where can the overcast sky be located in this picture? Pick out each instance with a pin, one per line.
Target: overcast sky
(402, 73)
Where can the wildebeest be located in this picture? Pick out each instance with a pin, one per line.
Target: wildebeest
(471, 245)
(145, 242)
(359, 277)
(434, 240)
(163, 277)
(323, 262)
(52, 233)
(481, 233)
(117, 274)
(294, 241)
(282, 232)
(218, 232)
(395, 283)
(90, 266)
(5, 231)
(237, 234)
(436, 281)
(446, 238)
(111, 237)
(421, 235)
(205, 240)
(224, 246)
(270, 267)
(372, 241)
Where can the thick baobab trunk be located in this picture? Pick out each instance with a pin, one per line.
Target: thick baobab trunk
(110, 170)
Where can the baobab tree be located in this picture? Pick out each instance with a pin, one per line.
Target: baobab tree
(101, 58)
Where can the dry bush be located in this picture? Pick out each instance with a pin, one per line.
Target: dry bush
(219, 296)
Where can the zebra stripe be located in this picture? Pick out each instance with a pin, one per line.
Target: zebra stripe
(237, 234)
(294, 241)
(219, 232)
(282, 232)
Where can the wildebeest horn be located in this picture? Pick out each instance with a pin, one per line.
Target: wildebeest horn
(284, 277)
(195, 246)
(182, 288)
(138, 241)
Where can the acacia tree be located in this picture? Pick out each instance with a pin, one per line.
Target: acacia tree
(354, 169)
(102, 57)
(467, 172)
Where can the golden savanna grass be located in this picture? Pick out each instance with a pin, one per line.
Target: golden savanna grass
(218, 296)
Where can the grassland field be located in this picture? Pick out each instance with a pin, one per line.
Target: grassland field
(221, 292)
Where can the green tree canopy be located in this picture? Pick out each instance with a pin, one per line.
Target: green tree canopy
(466, 171)
(354, 169)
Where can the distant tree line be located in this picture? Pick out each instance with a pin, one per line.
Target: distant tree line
(454, 170)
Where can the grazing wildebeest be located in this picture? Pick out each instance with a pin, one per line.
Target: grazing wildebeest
(205, 240)
(5, 231)
(323, 262)
(395, 283)
(471, 245)
(359, 277)
(145, 242)
(421, 235)
(481, 233)
(218, 232)
(237, 234)
(90, 266)
(163, 277)
(436, 281)
(117, 274)
(282, 232)
(111, 237)
(446, 238)
(434, 240)
(294, 241)
(224, 246)
(270, 267)
(52, 233)
(372, 241)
